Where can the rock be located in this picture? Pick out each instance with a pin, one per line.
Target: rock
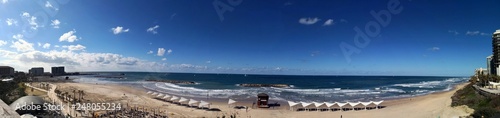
(265, 85)
(172, 81)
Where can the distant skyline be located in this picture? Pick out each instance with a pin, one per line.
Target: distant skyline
(291, 37)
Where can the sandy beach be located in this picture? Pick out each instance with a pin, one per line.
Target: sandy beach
(427, 106)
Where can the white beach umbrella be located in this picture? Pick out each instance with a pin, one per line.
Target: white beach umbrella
(329, 105)
(166, 97)
(174, 98)
(204, 104)
(154, 94)
(341, 105)
(318, 105)
(292, 104)
(159, 95)
(305, 104)
(378, 103)
(230, 102)
(192, 102)
(183, 100)
(366, 103)
(353, 104)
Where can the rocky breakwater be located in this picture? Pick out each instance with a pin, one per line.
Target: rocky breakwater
(265, 85)
(172, 81)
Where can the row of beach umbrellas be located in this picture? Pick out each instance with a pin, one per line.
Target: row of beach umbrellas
(328, 105)
(180, 100)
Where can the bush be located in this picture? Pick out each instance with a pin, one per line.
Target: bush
(487, 112)
(483, 106)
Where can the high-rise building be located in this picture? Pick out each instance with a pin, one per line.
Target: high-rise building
(36, 71)
(6, 71)
(489, 64)
(496, 52)
(58, 70)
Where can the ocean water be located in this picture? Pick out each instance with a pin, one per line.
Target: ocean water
(304, 88)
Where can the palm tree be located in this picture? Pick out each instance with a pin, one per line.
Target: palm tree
(62, 96)
(74, 94)
(66, 96)
(81, 93)
(57, 92)
(69, 98)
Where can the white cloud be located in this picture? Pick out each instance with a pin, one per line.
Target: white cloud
(343, 20)
(485, 34)
(21, 45)
(33, 23)
(308, 21)
(208, 62)
(288, 3)
(474, 33)
(55, 23)
(163, 59)
(46, 45)
(169, 51)
(172, 16)
(453, 32)
(17, 36)
(314, 53)
(39, 44)
(4, 1)
(187, 66)
(150, 52)
(119, 30)
(77, 61)
(31, 20)
(153, 29)
(25, 14)
(56, 46)
(2, 42)
(48, 5)
(329, 22)
(434, 49)
(10, 22)
(161, 51)
(69, 36)
(74, 47)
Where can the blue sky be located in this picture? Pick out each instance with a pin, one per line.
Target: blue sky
(253, 37)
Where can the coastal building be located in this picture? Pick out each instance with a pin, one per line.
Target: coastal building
(36, 71)
(496, 52)
(6, 71)
(489, 64)
(58, 70)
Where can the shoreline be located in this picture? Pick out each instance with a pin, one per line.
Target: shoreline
(436, 104)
